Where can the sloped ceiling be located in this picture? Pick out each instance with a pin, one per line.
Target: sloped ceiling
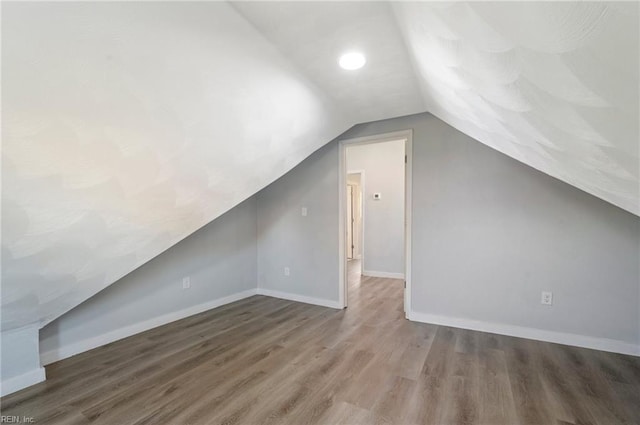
(314, 34)
(552, 84)
(127, 126)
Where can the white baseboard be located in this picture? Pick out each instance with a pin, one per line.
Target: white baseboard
(374, 273)
(25, 380)
(576, 340)
(66, 351)
(299, 298)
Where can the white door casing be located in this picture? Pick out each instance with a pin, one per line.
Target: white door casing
(407, 136)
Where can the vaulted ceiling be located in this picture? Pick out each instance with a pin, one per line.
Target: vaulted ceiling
(128, 126)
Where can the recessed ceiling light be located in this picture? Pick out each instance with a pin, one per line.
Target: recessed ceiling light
(352, 60)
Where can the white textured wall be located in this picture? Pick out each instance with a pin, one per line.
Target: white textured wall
(383, 232)
(126, 127)
(552, 84)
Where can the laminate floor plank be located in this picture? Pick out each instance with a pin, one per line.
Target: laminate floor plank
(529, 395)
(496, 399)
(263, 360)
(344, 413)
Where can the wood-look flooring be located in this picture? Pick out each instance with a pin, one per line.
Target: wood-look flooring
(269, 361)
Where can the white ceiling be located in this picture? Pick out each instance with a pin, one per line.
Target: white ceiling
(552, 84)
(127, 126)
(314, 34)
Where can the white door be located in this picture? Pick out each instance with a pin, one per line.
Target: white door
(349, 222)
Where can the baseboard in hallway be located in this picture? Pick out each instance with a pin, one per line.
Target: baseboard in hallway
(389, 275)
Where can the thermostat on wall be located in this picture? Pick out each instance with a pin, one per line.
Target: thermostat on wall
(377, 196)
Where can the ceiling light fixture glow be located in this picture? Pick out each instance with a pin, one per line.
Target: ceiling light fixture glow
(352, 61)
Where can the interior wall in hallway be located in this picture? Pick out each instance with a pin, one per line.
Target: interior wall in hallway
(383, 230)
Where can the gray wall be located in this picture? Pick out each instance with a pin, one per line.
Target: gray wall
(220, 260)
(490, 233)
(19, 358)
(383, 166)
(307, 245)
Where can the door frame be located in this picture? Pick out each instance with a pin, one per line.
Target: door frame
(407, 135)
(361, 186)
(350, 225)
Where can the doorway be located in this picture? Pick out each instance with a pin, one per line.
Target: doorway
(350, 220)
(375, 224)
(354, 214)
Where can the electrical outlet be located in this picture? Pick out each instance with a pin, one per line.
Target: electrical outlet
(287, 272)
(186, 282)
(547, 298)
(303, 211)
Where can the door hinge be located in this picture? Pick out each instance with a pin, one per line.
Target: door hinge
(405, 284)
(405, 159)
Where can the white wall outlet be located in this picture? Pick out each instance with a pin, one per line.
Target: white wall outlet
(547, 298)
(303, 211)
(287, 272)
(186, 282)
